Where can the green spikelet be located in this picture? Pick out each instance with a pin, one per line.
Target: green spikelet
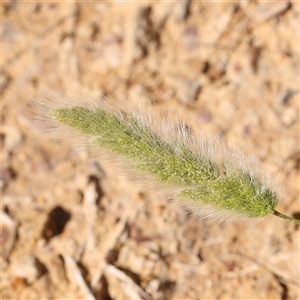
(201, 180)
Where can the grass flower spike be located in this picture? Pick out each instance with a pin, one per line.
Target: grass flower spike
(221, 186)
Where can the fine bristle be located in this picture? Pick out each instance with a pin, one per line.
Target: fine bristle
(203, 175)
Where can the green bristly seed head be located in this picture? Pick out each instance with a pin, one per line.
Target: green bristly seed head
(172, 163)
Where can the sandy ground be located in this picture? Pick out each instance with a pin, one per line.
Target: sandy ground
(71, 229)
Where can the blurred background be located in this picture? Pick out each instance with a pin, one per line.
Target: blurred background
(72, 229)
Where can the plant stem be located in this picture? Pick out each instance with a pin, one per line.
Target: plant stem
(287, 218)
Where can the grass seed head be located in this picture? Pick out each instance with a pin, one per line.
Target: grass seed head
(210, 184)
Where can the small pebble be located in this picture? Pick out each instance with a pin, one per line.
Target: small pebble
(183, 10)
(188, 91)
(289, 116)
(7, 233)
(12, 137)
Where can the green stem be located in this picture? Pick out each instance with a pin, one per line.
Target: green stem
(287, 218)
